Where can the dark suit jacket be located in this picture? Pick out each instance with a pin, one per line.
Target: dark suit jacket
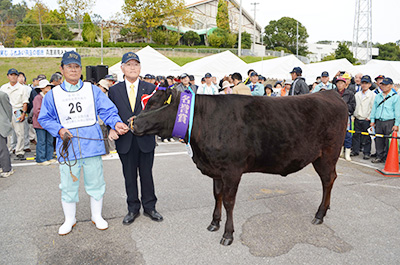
(119, 96)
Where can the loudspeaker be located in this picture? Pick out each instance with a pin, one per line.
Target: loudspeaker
(96, 72)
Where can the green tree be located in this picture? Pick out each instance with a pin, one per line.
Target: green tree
(28, 28)
(343, 51)
(223, 16)
(88, 30)
(173, 38)
(75, 9)
(191, 38)
(10, 15)
(389, 51)
(179, 15)
(282, 33)
(159, 36)
(246, 40)
(329, 57)
(145, 15)
(216, 40)
(231, 40)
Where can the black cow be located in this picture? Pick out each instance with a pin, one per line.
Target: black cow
(236, 134)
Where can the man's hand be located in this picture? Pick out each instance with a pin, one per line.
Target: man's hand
(113, 135)
(395, 128)
(372, 124)
(62, 131)
(22, 118)
(121, 128)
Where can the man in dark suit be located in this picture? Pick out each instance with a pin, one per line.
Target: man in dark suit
(136, 153)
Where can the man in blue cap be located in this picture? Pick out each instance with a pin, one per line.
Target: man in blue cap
(19, 99)
(208, 88)
(256, 88)
(324, 83)
(69, 112)
(364, 102)
(135, 152)
(299, 85)
(385, 117)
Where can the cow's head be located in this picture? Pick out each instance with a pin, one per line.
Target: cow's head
(159, 115)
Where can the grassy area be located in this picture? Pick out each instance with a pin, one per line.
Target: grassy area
(32, 67)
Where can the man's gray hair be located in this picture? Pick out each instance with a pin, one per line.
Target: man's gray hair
(55, 77)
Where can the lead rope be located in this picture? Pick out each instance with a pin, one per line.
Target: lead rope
(67, 142)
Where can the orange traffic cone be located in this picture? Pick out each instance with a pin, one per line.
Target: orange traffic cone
(392, 161)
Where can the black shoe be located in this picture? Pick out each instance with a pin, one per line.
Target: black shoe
(353, 154)
(130, 217)
(366, 157)
(377, 160)
(153, 215)
(373, 155)
(20, 157)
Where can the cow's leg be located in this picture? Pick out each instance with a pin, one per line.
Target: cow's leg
(229, 197)
(214, 226)
(327, 172)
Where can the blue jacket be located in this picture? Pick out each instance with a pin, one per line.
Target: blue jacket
(318, 87)
(257, 90)
(48, 119)
(388, 109)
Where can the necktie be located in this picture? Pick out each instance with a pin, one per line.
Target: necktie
(132, 98)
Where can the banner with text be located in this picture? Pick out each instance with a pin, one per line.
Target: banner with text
(34, 52)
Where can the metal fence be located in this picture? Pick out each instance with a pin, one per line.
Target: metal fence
(176, 52)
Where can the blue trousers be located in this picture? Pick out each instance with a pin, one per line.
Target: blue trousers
(44, 147)
(92, 176)
(348, 138)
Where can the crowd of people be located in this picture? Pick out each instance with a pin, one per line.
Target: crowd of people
(47, 113)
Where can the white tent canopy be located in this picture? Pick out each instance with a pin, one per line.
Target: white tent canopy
(152, 62)
(332, 67)
(277, 68)
(218, 65)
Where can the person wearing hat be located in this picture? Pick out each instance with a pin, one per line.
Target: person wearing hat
(299, 85)
(277, 89)
(385, 117)
(256, 88)
(44, 146)
(226, 88)
(193, 83)
(135, 152)
(378, 81)
(19, 99)
(268, 91)
(208, 88)
(6, 116)
(286, 88)
(348, 97)
(69, 111)
(239, 86)
(324, 83)
(184, 84)
(364, 102)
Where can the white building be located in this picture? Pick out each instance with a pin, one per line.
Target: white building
(205, 13)
(319, 51)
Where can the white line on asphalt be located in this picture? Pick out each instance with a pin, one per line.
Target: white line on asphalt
(109, 157)
(383, 186)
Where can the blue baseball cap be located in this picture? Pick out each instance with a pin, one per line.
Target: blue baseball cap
(324, 74)
(130, 56)
(253, 74)
(148, 76)
(366, 78)
(71, 57)
(12, 71)
(387, 81)
(297, 70)
(208, 75)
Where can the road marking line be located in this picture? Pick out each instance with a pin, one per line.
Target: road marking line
(112, 157)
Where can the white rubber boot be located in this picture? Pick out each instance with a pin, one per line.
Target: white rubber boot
(347, 152)
(96, 207)
(69, 209)
(342, 152)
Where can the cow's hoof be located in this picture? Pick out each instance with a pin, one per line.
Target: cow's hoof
(226, 241)
(213, 228)
(317, 221)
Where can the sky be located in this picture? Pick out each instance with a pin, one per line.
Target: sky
(323, 19)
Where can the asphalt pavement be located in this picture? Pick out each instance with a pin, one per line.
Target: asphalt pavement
(272, 218)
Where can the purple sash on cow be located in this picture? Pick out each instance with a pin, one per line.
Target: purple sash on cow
(183, 115)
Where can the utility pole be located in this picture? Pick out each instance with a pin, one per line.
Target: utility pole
(254, 30)
(102, 43)
(240, 31)
(297, 40)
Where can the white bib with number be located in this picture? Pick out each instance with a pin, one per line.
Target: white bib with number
(75, 109)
